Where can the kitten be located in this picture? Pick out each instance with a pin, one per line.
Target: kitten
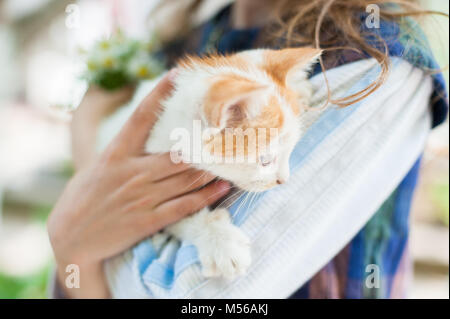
(256, 89)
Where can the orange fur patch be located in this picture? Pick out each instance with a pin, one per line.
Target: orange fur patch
(234, 92)
(214, 60)
(228, 89)
(278, 63)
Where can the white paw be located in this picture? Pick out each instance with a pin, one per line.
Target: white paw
(224, 250)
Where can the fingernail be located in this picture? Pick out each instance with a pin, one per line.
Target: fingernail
(223, 187)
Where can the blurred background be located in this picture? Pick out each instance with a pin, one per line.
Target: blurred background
(39, 82)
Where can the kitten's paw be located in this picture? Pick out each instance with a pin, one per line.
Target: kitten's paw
(225, 249)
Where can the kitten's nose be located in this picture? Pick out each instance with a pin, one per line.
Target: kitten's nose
(283, 174)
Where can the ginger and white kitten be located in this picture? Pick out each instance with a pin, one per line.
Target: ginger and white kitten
(252, 89)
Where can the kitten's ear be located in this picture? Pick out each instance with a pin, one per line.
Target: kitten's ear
(286, 64)
(231, 100)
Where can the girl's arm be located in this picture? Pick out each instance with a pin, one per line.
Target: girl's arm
(121, 197)
(95, 106)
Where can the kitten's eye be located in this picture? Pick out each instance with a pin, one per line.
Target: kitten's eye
(266, 160)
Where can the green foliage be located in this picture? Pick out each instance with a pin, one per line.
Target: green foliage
(67, 169)
(111, 79)
(40, 213)
(440, 198)
(32, 286)
(28, 287)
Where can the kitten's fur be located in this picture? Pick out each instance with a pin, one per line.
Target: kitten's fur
(251, 89)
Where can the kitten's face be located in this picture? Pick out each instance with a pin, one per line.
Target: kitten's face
(252, 104)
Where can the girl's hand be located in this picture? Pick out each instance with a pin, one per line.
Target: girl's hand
(122, 197)
(99, 103)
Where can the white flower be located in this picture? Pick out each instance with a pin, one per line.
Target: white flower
(142, 66)
(122, 55)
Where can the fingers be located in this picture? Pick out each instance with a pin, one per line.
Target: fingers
(134, 134)
(181, 183)
(141, 192)
(160, 166)
(174, 210)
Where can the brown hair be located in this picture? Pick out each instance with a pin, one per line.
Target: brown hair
(336, 25)
(326, 24)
